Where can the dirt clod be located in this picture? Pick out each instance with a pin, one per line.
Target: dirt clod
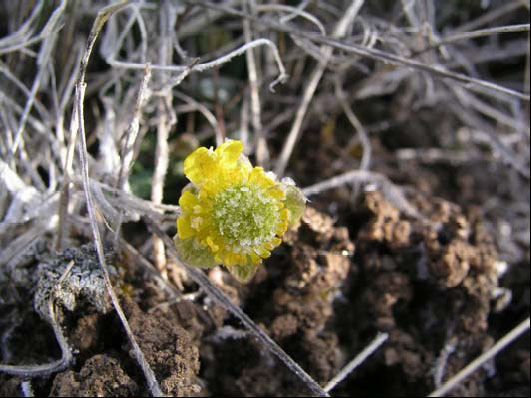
(167, 348)
(432, 287)
(100, 376)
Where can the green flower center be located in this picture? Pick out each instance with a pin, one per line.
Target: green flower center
(245, 215)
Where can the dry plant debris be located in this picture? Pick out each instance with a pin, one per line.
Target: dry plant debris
(408, 124)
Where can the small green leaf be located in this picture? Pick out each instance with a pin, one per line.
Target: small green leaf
(193, 254)
(295, 202)
(243, 273)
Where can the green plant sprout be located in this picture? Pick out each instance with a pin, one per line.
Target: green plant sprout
(233, 214)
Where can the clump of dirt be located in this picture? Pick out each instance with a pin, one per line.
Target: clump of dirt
(104, 362)
(100, 376)
(167, 348)
(73, 278)
(430, 284)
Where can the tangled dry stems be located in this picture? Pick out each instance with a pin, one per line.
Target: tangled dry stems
(39, 173)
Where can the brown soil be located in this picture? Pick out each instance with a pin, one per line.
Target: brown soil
(444, 284)
(430, 284)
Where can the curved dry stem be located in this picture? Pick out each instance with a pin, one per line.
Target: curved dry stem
(212, 64)
(31, 371)
(295, 12)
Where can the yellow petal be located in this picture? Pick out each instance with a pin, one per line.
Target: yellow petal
(263, 253)
(276, 241)
(281, 227)
(199, 166)
(188, 201)
(212, 245)
(254, 259)
(229, 152)
(256, 174)
(230, 259)
(184, 228)
(259, 177)
(275, 193)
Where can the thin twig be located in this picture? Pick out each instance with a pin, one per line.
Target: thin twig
(25, 30)
(471, 83)
(482, 359)
(207, 113)
(490, 16)
(472, 120)
(44, 57)
(27, 389)
(132, 130)
(65, 186)
(360, 130)
(262, 152)
(244, 124)
(442, 361)
(527, 85)
(475, 34)
(356, 361)
(212, 64)
(164, 126)
(295, 12)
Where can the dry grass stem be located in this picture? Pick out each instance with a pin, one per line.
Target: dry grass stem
(477, 363)
(262, 153)
(356, 361)
(425, 103)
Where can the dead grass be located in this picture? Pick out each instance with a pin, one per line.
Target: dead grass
(84, 86)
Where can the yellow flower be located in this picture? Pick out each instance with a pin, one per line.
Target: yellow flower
(232, 213)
